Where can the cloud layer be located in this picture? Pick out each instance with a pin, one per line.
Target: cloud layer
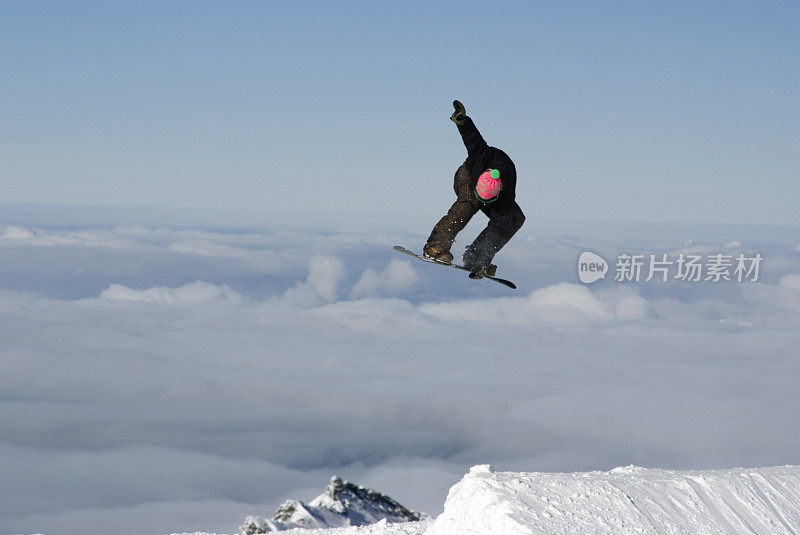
(176, 377)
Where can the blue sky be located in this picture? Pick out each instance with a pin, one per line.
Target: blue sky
(663, 111)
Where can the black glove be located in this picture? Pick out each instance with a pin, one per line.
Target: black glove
(460, 114)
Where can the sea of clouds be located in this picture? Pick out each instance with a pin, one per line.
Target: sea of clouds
(177, 370)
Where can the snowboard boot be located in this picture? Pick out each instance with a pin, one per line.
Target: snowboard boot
(481, 272)
(433, 253)
(478, 263)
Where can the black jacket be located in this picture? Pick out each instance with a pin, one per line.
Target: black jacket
(480, 157)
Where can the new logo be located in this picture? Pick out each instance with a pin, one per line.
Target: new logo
(591, 267)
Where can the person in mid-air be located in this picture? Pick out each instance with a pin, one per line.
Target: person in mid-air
(485, 181)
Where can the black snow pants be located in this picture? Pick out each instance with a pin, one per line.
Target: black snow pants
(504, 222)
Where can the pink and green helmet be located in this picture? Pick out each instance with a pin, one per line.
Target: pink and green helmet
(488, 187)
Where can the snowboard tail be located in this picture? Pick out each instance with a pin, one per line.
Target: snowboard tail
(504, 282)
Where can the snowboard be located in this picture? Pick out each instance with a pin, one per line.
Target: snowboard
(403, 250)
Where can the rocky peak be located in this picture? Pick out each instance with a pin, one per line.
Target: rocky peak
(342, 504)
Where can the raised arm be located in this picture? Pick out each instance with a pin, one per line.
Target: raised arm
(477, 148)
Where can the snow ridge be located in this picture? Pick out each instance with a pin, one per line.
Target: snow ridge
(762, 501)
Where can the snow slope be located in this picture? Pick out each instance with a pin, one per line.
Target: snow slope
(628, 500)
(763, 501)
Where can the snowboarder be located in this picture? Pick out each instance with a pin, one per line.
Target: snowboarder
(485, 181)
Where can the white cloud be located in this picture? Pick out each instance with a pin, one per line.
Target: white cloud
(567, 303)
(16, 235)
(221, 392)
(624, 303)
(564, 303)
(791, 280)
(195, 293)
(324, 274)
(269, 261)
(320, 286)
(397, 277)
(773, 304)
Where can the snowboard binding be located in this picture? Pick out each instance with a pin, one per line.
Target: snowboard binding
(484, 271)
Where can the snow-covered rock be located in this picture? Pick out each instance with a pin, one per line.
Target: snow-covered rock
(342, 504)
(379, 528)
(629, 500)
